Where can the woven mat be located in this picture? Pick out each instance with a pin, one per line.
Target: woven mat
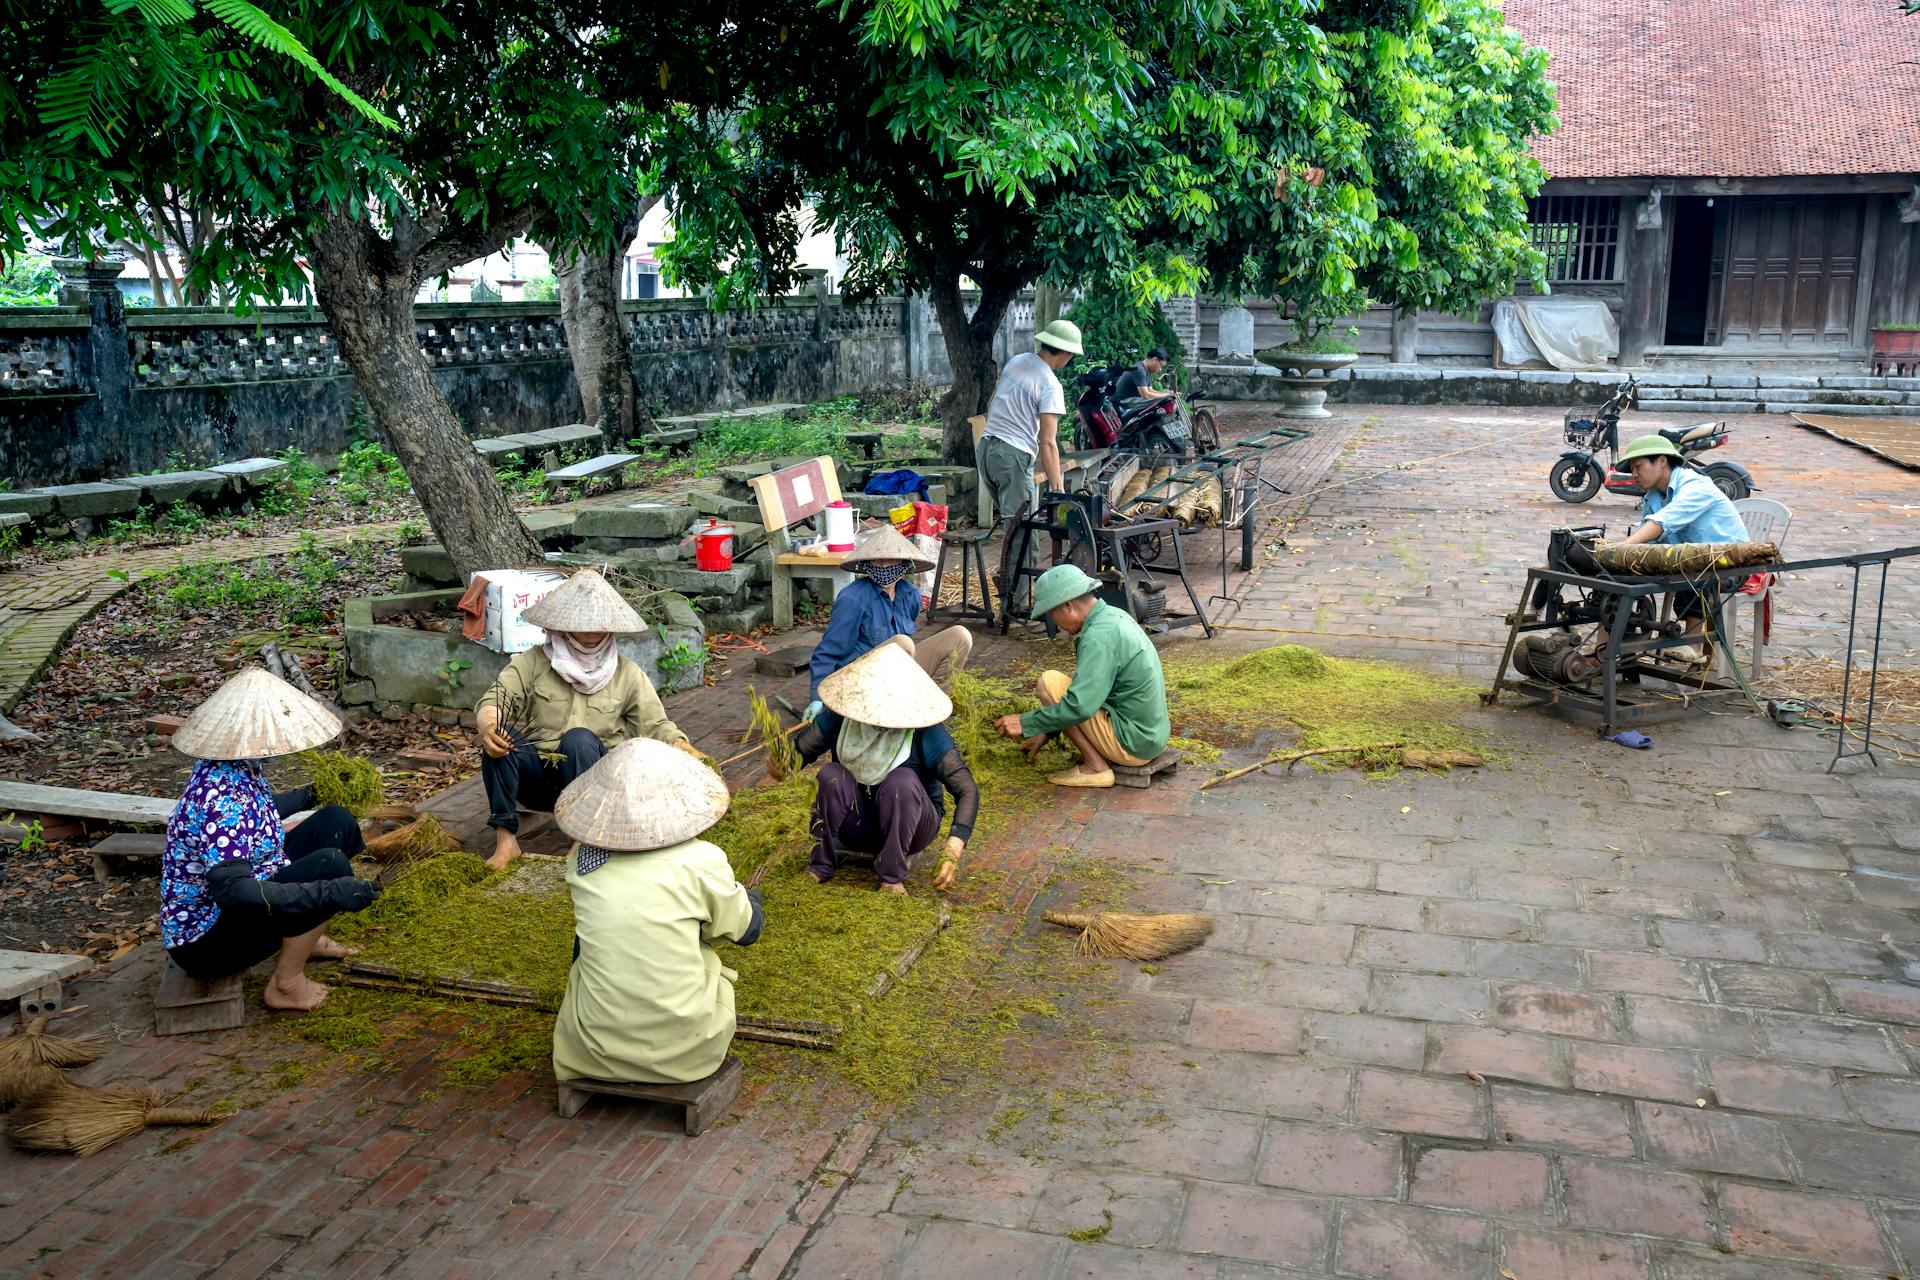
(1895, 439)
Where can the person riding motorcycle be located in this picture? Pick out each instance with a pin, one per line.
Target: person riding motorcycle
(1137, 382)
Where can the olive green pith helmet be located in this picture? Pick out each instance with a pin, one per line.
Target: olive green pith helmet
(1650, 447)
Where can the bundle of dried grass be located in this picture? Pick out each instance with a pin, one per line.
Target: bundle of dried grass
(1683, 557)
(26, 1082)
(73, 1118)
(1442, 760)
(345, 780)
(424, 837)
(34, 1047)
(1122, 935)
(782, 760)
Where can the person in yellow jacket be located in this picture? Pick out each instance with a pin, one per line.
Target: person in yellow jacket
(557, 709)
(648, 1000)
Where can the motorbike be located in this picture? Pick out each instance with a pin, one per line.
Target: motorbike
(1578, 474)
(1147, 426)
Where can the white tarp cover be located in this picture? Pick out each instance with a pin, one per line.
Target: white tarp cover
(1568, 333)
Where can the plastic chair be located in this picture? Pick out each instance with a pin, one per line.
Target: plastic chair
(1766, 521)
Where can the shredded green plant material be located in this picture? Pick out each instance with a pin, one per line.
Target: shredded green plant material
(1332, 702)
(346, 780)
(1201, 752)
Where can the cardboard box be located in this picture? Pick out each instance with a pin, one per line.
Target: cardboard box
(511, 592)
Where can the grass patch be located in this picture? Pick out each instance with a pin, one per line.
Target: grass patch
(1329, 702)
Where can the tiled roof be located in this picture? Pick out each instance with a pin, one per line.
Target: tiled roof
(1728, 88)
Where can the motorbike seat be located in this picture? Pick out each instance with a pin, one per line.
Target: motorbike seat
(1692, 431)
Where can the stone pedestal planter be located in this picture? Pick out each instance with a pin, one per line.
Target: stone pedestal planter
(1306, 379)
(410, 667)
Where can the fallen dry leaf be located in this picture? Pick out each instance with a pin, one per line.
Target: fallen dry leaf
(1476, 1077)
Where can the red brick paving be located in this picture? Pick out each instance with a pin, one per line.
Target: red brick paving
(1584, 1017)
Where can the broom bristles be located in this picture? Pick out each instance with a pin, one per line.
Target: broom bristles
(1125, 936)
(34, 1046)
(74, 1118)
(424, 837)
(27, 1081)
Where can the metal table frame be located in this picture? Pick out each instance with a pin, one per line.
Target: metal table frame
(1619, 657)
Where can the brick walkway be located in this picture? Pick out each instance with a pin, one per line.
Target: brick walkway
(1596, 1015)
(40, 606)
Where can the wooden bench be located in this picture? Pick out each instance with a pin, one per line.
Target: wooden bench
(92, 806)
(703, 1103)
(185, 1004)
(1142, 775)
(787, 497)
(33, 978)
(127, 853)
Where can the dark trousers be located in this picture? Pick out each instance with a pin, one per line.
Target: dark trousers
(320, 848)
(891, 821)
(523, 778)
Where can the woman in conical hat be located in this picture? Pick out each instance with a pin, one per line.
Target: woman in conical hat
(894, 763)
(648, 1000)
(237, 885)
(557, 709)
(882, 602)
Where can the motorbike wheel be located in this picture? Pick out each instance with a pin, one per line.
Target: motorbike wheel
(1574, 481)
(1154, 443)
(1729, 481)
(1246, 541)
(1206, 431)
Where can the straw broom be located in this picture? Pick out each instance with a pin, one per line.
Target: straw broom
(34, 1047)
(79, 1120)
(1122, 935)
(26, 1082)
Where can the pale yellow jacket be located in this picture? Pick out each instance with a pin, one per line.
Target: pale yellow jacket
(533, 695)
(648, 999)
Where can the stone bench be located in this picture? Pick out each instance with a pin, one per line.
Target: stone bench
(185, 1004)
(252, 473)
(125, 853)
(163, 489)
(702, 1103)
(675, 441)
(89, 501)
(865, 441)
(592, 469)
(91, 806)
(577, 433)
(33, 978)
(498, 448)
(14, 519)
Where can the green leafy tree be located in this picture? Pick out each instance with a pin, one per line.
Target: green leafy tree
(1117, 328)
(1261, 147)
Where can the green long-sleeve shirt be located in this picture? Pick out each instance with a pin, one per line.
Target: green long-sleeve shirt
(1114, 666)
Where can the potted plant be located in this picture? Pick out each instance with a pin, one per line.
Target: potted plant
(1896, 350)
(1306, 366)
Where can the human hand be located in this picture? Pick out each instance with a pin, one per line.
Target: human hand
(1009, 726)
(691, 750)
(492, 740)
(949, 864)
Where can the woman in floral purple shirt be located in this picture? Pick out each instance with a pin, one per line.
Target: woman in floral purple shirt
(236, 886)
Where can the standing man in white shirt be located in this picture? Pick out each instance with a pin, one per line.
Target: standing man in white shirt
(1023, 422)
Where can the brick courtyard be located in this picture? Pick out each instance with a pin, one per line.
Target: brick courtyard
(1595, 1014)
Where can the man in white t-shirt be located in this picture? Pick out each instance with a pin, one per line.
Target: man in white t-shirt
(1023, 422)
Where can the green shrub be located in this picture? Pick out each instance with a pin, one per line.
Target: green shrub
(1115, 329)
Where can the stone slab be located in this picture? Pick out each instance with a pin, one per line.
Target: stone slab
(549, 527)
(503, 446)
(166, 488)
(32, 503)
(251, 473)
(719, 415)
(14, 519)
(102, 499)
(790, 661)
(722, 507)
(430, 563)
(127, 852)
(577, 433)
(689, 581)
(24, 972)
(96, 806)
(637, 520)
(593, 468)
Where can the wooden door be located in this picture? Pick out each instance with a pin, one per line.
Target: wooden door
(1786, 270)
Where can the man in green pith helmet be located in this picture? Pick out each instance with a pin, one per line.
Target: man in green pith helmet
(1681, 506)
(1114, 709)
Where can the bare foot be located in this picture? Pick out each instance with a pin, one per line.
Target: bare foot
(506, 847)
(1091, 767)
(328, 949)
(817, 877)
(302, 995)
(894, 888)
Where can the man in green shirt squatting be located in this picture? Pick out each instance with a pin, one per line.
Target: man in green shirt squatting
(1114, 709)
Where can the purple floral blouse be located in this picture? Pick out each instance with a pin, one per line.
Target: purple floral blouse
(227, 811)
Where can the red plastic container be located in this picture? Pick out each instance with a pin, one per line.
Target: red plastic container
(713, 547)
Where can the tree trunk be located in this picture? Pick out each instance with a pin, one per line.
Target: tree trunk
(589, 288)
(368, 299)
(969, 341)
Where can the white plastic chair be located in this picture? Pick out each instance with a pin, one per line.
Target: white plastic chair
(1766, 521)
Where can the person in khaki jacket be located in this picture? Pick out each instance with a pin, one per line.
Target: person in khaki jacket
(558, 709)
(648, 1000)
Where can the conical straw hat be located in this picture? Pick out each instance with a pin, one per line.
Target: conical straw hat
(254, 716)
(641, 795)
(584, 602)
(887, 689)
(885, 543)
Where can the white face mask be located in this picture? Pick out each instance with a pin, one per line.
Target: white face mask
(871, 753)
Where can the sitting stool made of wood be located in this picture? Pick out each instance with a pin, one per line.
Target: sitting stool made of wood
(973, 567)
(1142, 775)
(703, 1102)
(185, 1004)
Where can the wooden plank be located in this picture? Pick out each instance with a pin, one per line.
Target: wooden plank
(184, 1004)
(1142, 775)
(703, 1103)
(24, 972)
(95, 806)
(794, 558)
(463, 810)
(124, 852)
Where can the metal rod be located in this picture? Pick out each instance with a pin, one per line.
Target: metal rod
(1873, 672)
(1846, 677)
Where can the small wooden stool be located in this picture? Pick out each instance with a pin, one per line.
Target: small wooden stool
(973, 559)
(704, 1102)
(1142, 775)
(186, 1004)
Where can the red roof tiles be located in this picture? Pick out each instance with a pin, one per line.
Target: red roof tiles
(1728, 88)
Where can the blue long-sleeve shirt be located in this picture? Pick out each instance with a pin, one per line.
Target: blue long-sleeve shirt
(863, 618)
